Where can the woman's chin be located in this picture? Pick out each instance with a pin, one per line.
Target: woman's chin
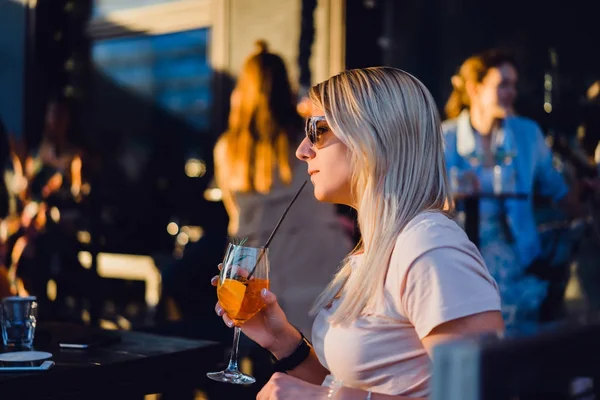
(333, 195)
(323, 196)
(319, 195)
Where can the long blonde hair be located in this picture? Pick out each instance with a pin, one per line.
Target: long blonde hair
(389, 122)
(262, 122)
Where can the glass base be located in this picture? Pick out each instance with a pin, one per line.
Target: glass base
(229, 376)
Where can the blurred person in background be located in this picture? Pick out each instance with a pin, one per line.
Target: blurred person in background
(13, 233)
(56, 163)
(482, 123)
(55, 150)
(53, 174)
(258, 175)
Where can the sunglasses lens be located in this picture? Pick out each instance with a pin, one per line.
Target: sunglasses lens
(310, 130)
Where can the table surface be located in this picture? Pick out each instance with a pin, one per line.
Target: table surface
(141, 363)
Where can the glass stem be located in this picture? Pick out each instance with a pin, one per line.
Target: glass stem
(233, 360)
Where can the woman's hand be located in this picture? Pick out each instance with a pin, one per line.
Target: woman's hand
(269, 328)
(282, 386)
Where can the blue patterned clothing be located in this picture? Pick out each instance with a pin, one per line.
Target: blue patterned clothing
(533, 167)
(509, 241)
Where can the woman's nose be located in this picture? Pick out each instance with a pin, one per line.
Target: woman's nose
(304, 151)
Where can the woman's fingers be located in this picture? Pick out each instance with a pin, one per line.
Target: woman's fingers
(268, 297)
(228, 321)
(221, 313)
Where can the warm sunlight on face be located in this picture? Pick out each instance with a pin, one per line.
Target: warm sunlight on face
(328, 164)
(499, 87)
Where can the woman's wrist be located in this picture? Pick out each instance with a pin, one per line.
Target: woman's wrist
(286, 343)
(347, 393)
(334, 386)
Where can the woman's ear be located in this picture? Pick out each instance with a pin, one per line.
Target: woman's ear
(457, 82)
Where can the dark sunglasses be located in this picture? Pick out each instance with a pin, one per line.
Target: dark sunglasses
(311, 129)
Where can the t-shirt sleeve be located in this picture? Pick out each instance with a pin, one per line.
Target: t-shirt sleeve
(445, 284)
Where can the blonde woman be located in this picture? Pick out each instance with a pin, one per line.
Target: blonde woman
(374, 142)
(258, 175)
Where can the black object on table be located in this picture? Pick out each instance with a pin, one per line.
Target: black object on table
(471, 203)
(141, 363)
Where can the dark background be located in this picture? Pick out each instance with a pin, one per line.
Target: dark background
(427, 38)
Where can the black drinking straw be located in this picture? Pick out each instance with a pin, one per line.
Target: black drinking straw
(277, 227)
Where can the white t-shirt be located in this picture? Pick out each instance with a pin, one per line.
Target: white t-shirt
(435, 275)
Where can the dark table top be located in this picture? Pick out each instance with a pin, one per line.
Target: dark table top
(141, 363)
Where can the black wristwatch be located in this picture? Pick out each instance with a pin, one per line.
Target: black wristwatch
(296, 358)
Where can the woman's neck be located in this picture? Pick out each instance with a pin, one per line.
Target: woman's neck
(482, 121)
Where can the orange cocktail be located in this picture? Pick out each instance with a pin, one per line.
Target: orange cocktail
(241, 298)
(244, 274)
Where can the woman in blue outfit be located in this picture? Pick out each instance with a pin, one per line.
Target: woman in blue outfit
(482, 133)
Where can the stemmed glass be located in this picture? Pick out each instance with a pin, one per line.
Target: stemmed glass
(244, 274)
